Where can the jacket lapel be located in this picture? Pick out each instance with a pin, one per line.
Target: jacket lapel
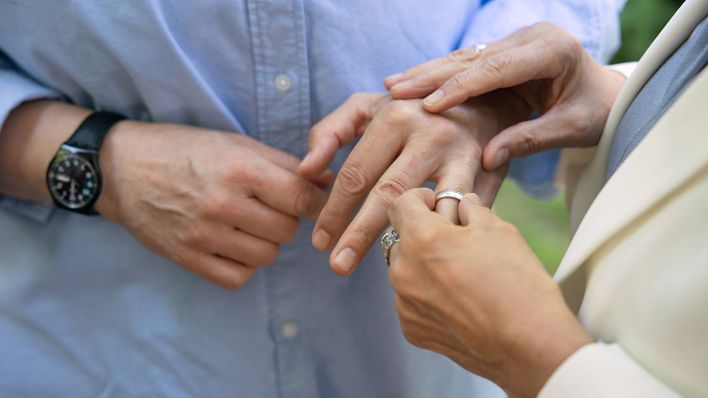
(672, 36)
(673, 152)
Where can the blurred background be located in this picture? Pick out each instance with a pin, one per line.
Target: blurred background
(545, 223)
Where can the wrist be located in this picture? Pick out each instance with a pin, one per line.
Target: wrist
(537, 351)
(30, 137)
(116, 145)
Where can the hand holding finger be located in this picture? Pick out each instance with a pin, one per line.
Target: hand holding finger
(287, 192)
(407, 211)
(470, 207)
(457, 174)
(371, 219)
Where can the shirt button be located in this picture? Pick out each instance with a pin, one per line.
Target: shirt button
(283, 82)
(289, 330)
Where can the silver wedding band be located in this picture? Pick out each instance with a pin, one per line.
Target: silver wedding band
(449, 194)
(389, 238)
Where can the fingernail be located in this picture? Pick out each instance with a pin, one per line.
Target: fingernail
(434, 98)
(344, 261)
(394, 77)
(500, 158)
(320, 240)
(308, 156)
(401, 86)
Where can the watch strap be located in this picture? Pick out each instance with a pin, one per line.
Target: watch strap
(90, 134)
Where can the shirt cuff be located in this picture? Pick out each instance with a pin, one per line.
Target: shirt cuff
(624, 69)
(16, 89)
(536, 174)
(603, 370)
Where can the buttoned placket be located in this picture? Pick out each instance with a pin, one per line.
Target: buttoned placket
(279, 45)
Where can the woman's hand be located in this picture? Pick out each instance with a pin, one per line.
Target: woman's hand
(542, 64)
(477, 294)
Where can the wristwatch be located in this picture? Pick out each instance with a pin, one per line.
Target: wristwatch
(73, 175)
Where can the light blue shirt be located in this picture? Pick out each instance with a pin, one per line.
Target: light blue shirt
(86, 311)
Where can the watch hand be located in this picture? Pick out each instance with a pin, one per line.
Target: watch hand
(62, 178)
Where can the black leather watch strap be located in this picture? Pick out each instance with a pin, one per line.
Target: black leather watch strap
(93, 130)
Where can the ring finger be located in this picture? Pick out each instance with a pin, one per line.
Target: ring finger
(458, 174)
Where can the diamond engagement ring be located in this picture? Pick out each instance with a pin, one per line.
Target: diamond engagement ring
(449, 194)
(389, 238)
(478, 48)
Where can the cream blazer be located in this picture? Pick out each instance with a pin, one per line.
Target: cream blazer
(636, 269)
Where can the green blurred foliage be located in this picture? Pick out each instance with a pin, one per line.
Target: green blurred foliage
(642, 20)
(545, 224)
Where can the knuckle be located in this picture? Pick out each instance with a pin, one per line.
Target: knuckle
(563, 44)
(544, 26)
(195, 234)
(388, 191)
(360, 97)
(399, 113)
(568, 42)
(397, 202)
(410, 334)
(495, 65)
(234, 166)
(215, 206)
(399, 280)
(304, 198)
(400, 308)
(464, 57)
(579, 122)
(352, 179)
(507, 227)
(268, 256)
(289, 230)
(317, 131)
(181, 256)
(530, 143)
(460, 80)
(238, 280)
(423, 238)
(444, 132)
(359, 236)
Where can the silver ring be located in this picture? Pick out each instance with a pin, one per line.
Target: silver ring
(389, 238)
(449, 194)
(478, 48)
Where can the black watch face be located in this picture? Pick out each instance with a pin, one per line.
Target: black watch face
(72, 181)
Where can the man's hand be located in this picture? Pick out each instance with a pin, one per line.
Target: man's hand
(477, 294)
(401, 147)
(218, 204)
(543, 65)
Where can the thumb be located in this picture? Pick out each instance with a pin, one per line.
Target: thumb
(526, 138)
(335, 131)
(470, 208)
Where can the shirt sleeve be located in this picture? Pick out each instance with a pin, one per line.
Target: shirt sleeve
(603, 370)
(594, 22)
(16, 88)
